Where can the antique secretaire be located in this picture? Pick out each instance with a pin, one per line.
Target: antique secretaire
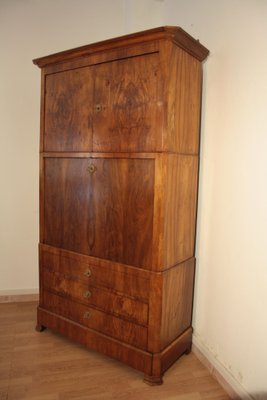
(119, 155)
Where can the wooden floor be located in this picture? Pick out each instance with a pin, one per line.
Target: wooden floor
(45, 366)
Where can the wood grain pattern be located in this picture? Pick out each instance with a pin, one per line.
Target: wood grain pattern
(118, 192)
(67, 199)
(123, 211)
(129, 93)
(103, 57)
(175, 34)
(118, 328)
(105, 214)
(170, 305)
(183, 93)
(123, 279)
(68, 111)
(117, 349)
(155, 313)
(177, 301)
(180, 211)
(104, 299)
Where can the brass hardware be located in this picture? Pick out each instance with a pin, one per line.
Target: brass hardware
(98, 108)
(87, 315)
(88, 273)
(91, 168)
(87, 294)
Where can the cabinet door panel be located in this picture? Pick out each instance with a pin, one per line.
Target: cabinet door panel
(122, 210)
(106, 213)
(68, 111)
(128, 105)
(66, 203)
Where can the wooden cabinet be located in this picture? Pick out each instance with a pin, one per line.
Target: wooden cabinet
(118, 192)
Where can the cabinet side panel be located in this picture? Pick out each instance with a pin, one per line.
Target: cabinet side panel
(159, 212)
(180, 209)
(155, 312)
(184, 99)
(177, 299)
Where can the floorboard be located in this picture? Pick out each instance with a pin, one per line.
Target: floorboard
(46, 366)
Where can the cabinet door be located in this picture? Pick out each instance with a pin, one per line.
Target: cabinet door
(128, 105)
(67, 198)
(68, 111)
(106, 213)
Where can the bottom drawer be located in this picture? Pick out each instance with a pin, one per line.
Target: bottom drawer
(128, 332)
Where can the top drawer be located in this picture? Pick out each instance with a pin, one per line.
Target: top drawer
(127, 280)
(115, 106)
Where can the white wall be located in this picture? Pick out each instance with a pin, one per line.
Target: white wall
(231, 288)
(30, 29)
(230, 301)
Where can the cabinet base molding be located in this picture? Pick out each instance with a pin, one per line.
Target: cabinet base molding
(152, 365)
(153, 380)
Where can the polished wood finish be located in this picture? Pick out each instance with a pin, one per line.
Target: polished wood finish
(130, 94)
(78, 203)
(171, 33)
(48, 366)
(170, 305)
(101, 298)
(68, 109)
(90, 317)
(118, 193)
(177, 294)
(183, 89)
(96, 271)
(180, 208)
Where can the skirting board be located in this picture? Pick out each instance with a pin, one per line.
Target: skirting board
(225, 379)
(17, 296)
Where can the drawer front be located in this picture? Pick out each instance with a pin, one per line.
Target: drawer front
(104, 299)
(125, 331)
(128, 281)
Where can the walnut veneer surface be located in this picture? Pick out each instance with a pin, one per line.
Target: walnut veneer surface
(118, 193)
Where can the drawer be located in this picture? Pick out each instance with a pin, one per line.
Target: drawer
(131, 281)
(117, 328)
(104, 299)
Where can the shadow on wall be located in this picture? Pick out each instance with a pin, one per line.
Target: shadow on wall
(259, 396)
(253, 396)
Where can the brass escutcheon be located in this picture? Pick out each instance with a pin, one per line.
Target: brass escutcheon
(87, 315)
(91, 168)
(98, 108)
(87, 294)
(88, 273)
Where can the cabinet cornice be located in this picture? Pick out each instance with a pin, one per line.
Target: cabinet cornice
(175, 34)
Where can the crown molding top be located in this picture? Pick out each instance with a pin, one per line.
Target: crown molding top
(175, 34)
